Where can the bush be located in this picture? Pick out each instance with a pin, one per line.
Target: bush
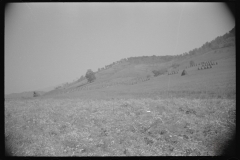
(90, 76)
(155, 72)
(159, 72)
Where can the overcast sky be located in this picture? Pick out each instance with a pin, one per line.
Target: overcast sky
(47, 44)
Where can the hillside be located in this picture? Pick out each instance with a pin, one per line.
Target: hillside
(130, 78)
(132, 72)
(134, 69)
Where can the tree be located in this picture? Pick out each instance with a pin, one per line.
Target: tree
(90, 75)
(159, 72)
(192, 63)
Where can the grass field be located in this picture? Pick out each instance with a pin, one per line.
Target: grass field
(192, 115)
(145, 127)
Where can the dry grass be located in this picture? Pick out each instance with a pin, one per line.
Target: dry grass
(118, 127)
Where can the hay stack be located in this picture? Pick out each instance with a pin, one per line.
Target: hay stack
(184, 73)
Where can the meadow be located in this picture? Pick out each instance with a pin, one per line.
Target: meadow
(142, 127)
(168, 115)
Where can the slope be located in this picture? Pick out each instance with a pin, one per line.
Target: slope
(131, 79)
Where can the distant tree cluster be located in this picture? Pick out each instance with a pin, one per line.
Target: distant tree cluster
(226, 40)
(109, 66)
(58, 87)
(149, 59)
(112, 64)
(159, 72)
(90, 76)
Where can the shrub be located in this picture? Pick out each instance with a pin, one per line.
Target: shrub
(90, 76)
(159, 72)
(155, 72)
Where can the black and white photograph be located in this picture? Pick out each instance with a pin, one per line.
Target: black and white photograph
(119, 79)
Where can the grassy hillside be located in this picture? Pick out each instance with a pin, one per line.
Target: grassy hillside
(131, 79)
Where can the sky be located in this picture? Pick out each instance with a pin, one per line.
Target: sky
(47, 44)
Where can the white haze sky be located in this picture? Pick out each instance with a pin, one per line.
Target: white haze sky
(47, 44)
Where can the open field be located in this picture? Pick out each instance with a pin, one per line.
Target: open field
(168, 115)
(143, 127)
